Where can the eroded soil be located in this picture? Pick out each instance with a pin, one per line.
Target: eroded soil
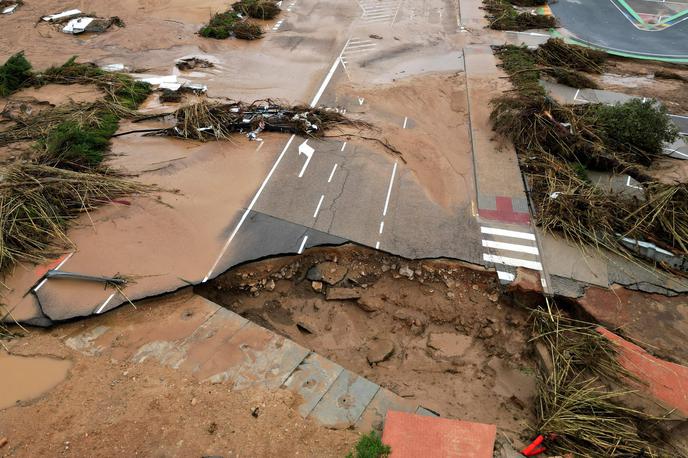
(107, 408)
(433, 331)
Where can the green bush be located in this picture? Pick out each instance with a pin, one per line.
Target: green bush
(75, 146)
(370, 446)
(220, 26)
(224, 25)
(503, 16)
(258, 9)
(14, 74)
(572, 78)
(122, 88)
(637, 127)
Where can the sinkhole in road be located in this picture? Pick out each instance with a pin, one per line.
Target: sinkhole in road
(436, 331)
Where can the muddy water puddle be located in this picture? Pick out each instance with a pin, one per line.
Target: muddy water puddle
(27, 377)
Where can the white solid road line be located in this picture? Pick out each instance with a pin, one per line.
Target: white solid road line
(317, 209)
(62, 263)
(505, 276)
(40, 285)
(389, 189)
(405, 122)
(274, 167)
(323, 86)
(512, 261)
(628, 183)
(506, 233)
(510, 247)
(107, 301)
(671, 150)
(332, 173)
(303, 244)
(250, 207)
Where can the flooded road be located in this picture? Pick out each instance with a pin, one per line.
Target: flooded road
(27, 377)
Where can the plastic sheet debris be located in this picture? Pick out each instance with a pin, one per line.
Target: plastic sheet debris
(10, 9)
(62, 16)
(78, 25)
(113, 67)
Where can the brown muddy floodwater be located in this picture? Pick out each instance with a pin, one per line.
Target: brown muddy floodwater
(23, 378)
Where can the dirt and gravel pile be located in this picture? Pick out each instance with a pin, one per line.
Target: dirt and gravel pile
(433, 331)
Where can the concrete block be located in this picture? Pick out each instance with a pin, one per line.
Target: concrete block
(345, 401)
(311, 380)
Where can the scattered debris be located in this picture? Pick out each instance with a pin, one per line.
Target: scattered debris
(190, 63)
(556, 144)
(63, 16)
(577, 411)
(231, 24)
(327, 272)
(39, 202)
(342, 294)
(502, 15)
(10, 6)
(374, 36)
(113, 68)
(207, 120)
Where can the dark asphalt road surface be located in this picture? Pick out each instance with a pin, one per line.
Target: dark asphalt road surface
(600, 23)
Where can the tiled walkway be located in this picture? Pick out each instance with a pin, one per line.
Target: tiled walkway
(218, 345)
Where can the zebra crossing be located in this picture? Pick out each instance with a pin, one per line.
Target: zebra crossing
(356, 48)
(383, 11)
(508, 249)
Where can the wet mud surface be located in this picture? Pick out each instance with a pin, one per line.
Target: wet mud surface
(26, 378)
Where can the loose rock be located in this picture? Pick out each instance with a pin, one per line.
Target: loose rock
(327, 272)
(405, 271)
(317, 286)
(371, 303)
(342, 294)
(380, 350)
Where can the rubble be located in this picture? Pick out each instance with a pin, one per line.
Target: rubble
(190, 63)
(340, 294)
(327, 272)
(379, 350)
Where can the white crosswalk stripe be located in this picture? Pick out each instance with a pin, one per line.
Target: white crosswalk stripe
(507, 249)
(357, 48)
(379, 11)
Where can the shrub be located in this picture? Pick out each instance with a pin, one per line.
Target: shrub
(637, 127)
(247, 31)
(220, 26)
(572, 78)
(14, 74)
(258, 9)
(370, 446)
(76, 146)
(503, 16)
